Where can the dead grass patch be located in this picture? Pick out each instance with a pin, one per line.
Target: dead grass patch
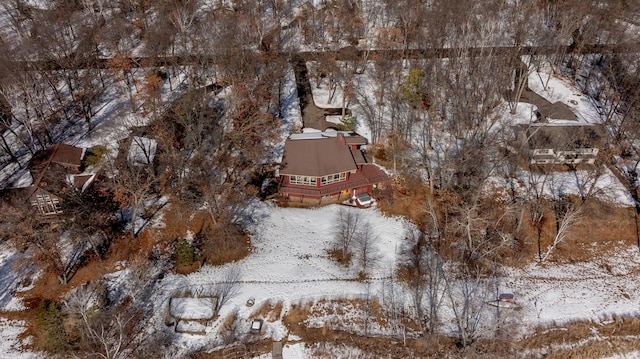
(406, 273)
(601, 231)
(294, 318)
(294, 202)
(621, 326)
(31, 337)
(179, 220)
(299, 316)
(186, 269)
(344, 259)
(408, 198)
(226, 245)
(585, 339)
(604, 227)
(254, 349)
(269, 311)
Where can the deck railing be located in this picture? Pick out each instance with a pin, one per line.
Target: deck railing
(334, 188)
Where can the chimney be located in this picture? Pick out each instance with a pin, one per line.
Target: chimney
(341, 140)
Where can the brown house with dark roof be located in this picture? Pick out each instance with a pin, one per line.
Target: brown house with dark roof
(327, 164)
(67, 156)
(53, 170)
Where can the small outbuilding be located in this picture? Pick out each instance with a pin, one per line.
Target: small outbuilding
(506, 297)
(256, 326)
(192, 315)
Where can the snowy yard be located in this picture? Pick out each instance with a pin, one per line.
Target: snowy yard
(596, 290)
(289, 264)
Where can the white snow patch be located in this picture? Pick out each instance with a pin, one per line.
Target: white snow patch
(337, 119)
(565, 292)
(603, 185)
(193, 308)
(559, 89)
(142, 150)
(10, 344)
(12, 277)
(630, 355)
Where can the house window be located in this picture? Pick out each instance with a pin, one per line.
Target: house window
(586, 151)
(303, 180)
(339, 177)
(543, 151)
(47, 204)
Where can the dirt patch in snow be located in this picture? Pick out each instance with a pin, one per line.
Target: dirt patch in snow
(602, 230)
(341, 322)
(269, 311)
(584, 339)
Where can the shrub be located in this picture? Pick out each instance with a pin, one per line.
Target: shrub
(224, 243)
(348, 123)
(94, 155)
(184, 252)
(343, 258)
(48, 318)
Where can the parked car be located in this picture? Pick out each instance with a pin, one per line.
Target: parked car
(364, 200)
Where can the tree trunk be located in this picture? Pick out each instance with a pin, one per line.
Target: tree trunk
(134, 213)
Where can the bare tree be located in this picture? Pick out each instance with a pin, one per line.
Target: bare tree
(367, 252)
(535, 202)
(567, 216)
(346, 231)
(423, 269)
(183, 17)
(227, 287)
(393, 300)
(587, 181)
(107, 333)
(131, 186)
(520, 83)
(34, 113)
(49, 248)
(467, 297)
(230, 332)
(88, 215)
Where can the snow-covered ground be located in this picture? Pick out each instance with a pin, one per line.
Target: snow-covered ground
(558, 89)
(291, 113)
(364, 86)
(603, 185)
(16, 275)
(290, 264)
(11, 346)
(596, 290)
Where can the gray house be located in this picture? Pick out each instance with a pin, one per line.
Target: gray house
(561, 143)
